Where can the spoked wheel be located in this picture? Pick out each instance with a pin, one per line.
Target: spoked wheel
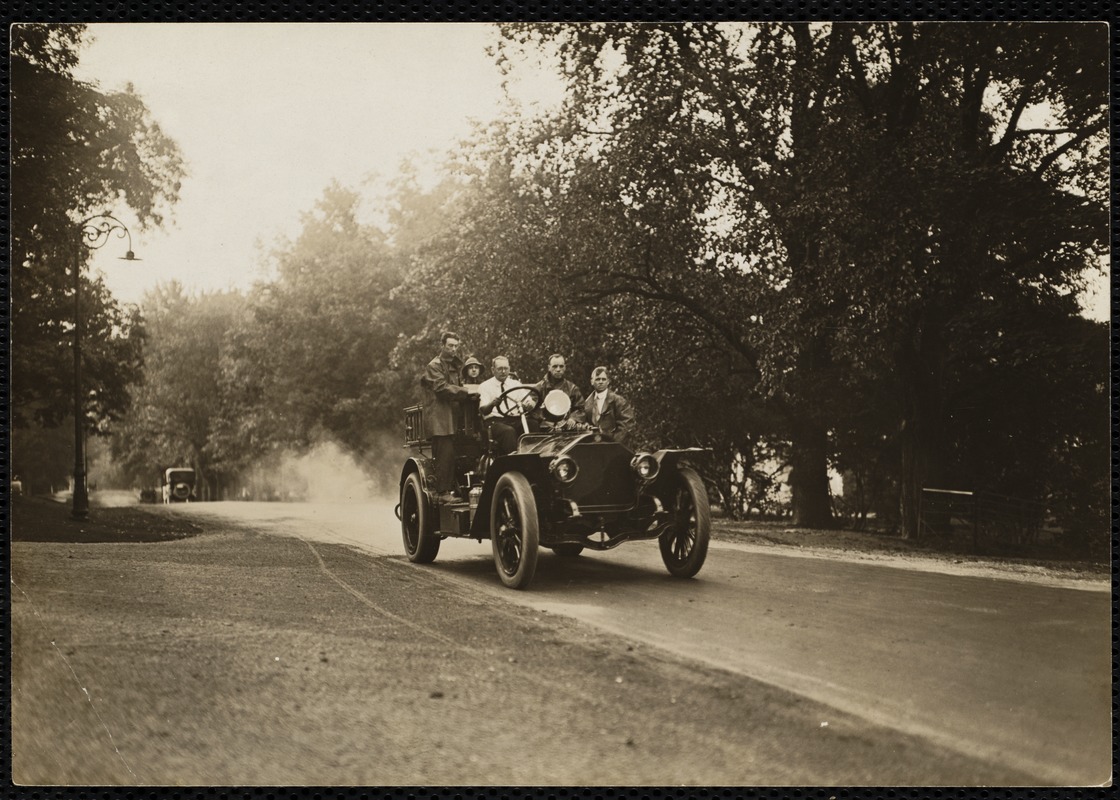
(420, 541)
(514, 531)
(567, 549)
(684, 545)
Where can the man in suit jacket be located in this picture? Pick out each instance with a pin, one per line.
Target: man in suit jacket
(608, 409)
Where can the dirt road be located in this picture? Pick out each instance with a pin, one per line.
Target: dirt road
(294, 646)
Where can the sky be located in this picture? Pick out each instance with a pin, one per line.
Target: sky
(268, 115)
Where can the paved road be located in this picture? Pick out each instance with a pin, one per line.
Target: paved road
(1014, 672)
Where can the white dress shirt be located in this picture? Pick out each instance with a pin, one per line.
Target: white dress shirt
(600, 401)
(491, 389)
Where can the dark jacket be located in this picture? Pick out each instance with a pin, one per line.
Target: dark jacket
(617, 418)
(442, 389)
(546, 385)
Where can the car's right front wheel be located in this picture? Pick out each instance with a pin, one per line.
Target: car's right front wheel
(514, 530)
(684, 543)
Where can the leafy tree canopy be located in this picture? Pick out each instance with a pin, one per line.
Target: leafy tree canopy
(76, 151)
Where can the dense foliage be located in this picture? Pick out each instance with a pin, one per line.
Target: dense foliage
(849, 218)
(231, 381)
(76, 151)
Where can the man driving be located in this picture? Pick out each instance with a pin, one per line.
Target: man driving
(501, 415)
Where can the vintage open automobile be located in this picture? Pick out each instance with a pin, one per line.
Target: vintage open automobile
(564, 489)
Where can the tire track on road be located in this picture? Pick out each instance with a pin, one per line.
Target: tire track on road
(77, 680)
(380, 610)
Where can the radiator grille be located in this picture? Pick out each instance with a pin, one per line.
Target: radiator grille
(605, 479)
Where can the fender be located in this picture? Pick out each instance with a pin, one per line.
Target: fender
(422, 465)
(670, 460)
(531, 465)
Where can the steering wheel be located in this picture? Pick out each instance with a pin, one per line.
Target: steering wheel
(508, 407)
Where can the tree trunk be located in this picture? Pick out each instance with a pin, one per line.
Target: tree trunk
(910, 477)
(922, 429)
(808, 477)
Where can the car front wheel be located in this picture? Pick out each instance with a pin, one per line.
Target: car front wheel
(514, 530)
(684, 544)
(420, 542)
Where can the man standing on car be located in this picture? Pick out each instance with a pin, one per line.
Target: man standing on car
(608, 409)
(554, 379)
(443, 388)
(502, 430)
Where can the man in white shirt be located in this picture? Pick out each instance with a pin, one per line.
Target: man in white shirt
(502, 429)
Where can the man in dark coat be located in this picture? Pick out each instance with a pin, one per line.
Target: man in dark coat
(443, 389)
(554, 379)
(608, 409)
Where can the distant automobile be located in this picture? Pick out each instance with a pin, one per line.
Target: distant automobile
(566, 490)
(178, 485)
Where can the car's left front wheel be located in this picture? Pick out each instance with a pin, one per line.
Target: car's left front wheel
(514, 530)
(684, 544)
(417, 529)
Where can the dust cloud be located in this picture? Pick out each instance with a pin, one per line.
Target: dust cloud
(328, 473)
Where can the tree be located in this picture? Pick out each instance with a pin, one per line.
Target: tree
(827, 199)
(75, 150)
(310, 360)
(176, 409)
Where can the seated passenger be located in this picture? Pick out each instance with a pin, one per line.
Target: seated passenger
(472, 372)
(554, 380)
(471, 377)
(607, 409)
(503, 430)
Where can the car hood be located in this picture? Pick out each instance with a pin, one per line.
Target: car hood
(555, 443)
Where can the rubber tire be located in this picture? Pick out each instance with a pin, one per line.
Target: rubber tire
(515, 487)
(684, 554)
(567, 549)
(421, 544)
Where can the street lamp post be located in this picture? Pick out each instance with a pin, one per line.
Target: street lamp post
(95, 232)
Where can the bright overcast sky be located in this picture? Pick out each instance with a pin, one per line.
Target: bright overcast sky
(267, 115)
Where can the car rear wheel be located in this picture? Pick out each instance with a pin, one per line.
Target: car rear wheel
(567, 550)
(420, 541)
(514, 530)
(684, 544)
